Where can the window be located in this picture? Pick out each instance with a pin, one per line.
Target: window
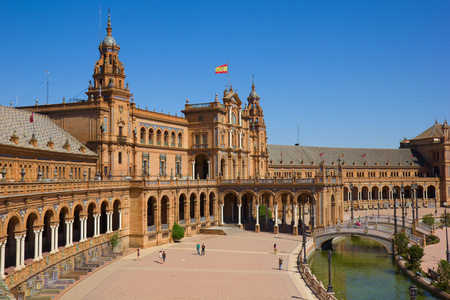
(200, 118)
(178, 165)
(233, 118)
(162, 164)
(120, 158)
(150, 136)
(120, 131)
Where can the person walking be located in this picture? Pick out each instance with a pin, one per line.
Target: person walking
(160, 256)
(280, 262)
(164, 256)
(275, 249)
(138, 254)
(203, 249)
(198, 249)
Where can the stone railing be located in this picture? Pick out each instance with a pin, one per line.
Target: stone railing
(315, 285)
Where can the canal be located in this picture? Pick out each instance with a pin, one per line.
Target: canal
(362, 269)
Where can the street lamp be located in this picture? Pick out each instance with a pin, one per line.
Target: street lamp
(394, 192)
(313, 191)
(417, 202)
(413, 292)
(402, 195)
(330, 287)
(351, 202)
(446, 232)
(412, 202)
(305, 260)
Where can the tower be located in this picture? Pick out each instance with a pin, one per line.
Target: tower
(258, 134)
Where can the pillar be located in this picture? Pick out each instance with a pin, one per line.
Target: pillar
(221, 214)
(239, 214)
(2, 259)
(85, 228)
(193, 169)
(67, 234)
(41, 232)
(18, 237)
(52, 240)
(276, 230)
(120, 219)
(95, 225)
(22, 251)
(36, 244)
(295, 229)
(209, 170)
(108, 221)
(257, 229)
(81, 229)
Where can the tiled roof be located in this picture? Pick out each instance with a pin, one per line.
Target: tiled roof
(434, 131)
(359, 156)
(18, 121)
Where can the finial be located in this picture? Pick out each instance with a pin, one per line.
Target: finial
(99, 91)
(216, 99)
(10, 104)
(109, 29)
(64, 99)
(187, 100)
(253, 79)
(37, 102)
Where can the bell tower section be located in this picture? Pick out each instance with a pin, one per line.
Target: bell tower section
(258, 134)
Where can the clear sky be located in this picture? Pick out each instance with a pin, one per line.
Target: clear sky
(350, 73)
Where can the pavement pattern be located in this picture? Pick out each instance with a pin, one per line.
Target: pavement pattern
(238, 266)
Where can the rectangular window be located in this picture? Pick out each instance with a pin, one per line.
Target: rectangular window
(120, 155)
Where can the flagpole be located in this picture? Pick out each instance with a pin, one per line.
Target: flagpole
(228, 73)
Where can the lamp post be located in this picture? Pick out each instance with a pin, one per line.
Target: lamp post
(417, 202)
(330, 287)
(305, 260)
(402, 193)
(313, 212)
(351, 202)
(394, 192)
(412, 202)
(413, 292)
(446, 232)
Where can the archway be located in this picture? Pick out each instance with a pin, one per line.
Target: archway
(30, 237)
(10, 250)
(103, 218)
(63, 214)
(76, 223)
(116, 216)
(181, 211)
(151, 203)
(202, 205)
(192, 204)
(230, 210)
(212, 199)
(201, 167)
(47, 233)
(164, 210)
(90, 221)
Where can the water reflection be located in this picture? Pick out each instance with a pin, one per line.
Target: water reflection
(362, 269)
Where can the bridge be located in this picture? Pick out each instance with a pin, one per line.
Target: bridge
(379, 229)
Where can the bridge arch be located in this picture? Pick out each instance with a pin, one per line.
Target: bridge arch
(325, 241)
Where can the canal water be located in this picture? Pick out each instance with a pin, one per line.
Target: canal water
(362, 269)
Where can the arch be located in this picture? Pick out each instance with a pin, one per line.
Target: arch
(158, 136)
(203, 203)
(201, 166)
(230, 209)
(364, 193)
(90, 220)
(116, 215)
(431, 192)
(222, 167)
(180, 139)
(151, 135)
(142, 135)
(172, 138)
(166, 138)
(31, 225)
(103, 217)
(48, 217)
(375, 193)
(164, 216)
(385, 192)
(63, 215)
(212, 203)
(323, 240)
(192, 205)
(181, 209)
(77, 212)
(12, 228)
(151, 205)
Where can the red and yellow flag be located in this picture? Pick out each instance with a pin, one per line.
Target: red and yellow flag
(222, 69)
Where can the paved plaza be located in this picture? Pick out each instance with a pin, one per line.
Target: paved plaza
(238, 266)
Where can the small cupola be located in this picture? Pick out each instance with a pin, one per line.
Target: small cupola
(14, 138)
(67, 145)
(50, 143)
(33, 140)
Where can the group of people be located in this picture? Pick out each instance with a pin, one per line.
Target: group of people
(162, 256)
(203, 249)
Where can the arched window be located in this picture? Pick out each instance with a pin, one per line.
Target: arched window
(166, 138)
(110, 59)
(172, 139)
(158, 137)
(180, 139)
(150, 136)
(233, 118)
(142, 135)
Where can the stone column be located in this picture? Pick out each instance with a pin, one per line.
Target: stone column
(81, 229)
(95, 225)
(36, 244)
(18, 238)
(52, 240)
(276, 230)
(257, 227)
(295, 229)
(67, 234)
(239, 117)
(239, 214)
(221, 214)
(193, 169)
(41, 232)
(71, 233)
(108, 221)
(22, 251)
(85, 228)
(2, 259)
(120, 219)
(209, 170)
(56, 237)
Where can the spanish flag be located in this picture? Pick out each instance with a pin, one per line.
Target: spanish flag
(222, 69)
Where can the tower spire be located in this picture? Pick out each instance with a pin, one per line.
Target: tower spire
(109, 29)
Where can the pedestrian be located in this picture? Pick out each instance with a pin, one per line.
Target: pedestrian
(138, 254)
(203, 249)
(160, 256)
(280, 262)
(164, 256)
(198, 249)
(275, 249)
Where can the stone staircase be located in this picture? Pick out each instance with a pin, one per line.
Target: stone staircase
(55, 281)
(226, 229)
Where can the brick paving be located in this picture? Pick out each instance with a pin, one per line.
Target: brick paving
(238, 266)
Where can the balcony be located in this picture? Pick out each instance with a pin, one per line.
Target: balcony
(122, 139)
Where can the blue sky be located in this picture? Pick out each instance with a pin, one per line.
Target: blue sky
(350, 73)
